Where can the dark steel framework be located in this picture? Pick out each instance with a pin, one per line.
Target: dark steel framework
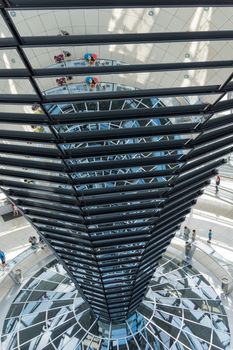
(110, 238)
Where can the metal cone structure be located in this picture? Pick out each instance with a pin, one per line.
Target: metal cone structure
(107, 174)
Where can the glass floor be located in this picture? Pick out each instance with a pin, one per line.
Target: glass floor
(181, 311)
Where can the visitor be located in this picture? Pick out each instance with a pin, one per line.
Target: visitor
(193, 235)
(3, 258)
(217, 183)
(186, 233)
(15, 210)
(90, 58)
(210, 234)
(33, 241)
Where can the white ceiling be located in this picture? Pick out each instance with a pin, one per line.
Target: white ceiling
(50, 22)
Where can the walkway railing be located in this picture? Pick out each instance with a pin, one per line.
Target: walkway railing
(203, 253)
(210, 259)
(215, 263)
(11, 266)
(223, 193)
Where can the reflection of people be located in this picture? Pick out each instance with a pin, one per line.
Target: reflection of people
(66, 53)
(186, 233)
(35, 107)
(37, 128)
(188, 247)
(189, 251)
(90, 58)
(28, 181)
(61, 81)
(42, 244)
(59, 58)
(33, 241)
(64, 32)
(91, 81)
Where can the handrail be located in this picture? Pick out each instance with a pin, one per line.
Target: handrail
(15, 261)
(223, 194)
(215, 257)
(218, 268)
(222, 188)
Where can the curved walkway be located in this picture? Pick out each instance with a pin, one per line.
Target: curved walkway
(14, 235)
(216, 212)
(210, 212)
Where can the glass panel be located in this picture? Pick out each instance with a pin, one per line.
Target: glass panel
(227, 112)
(163, 323)
(188, 100)
(19, 108)
(72, 111)
(69, 22)
(4, 30)
(49, 312)
(16, 86)
(115, 55)
(10, 59)
(131, 81)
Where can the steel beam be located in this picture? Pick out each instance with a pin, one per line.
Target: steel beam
(92, 4)
(129, 38)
